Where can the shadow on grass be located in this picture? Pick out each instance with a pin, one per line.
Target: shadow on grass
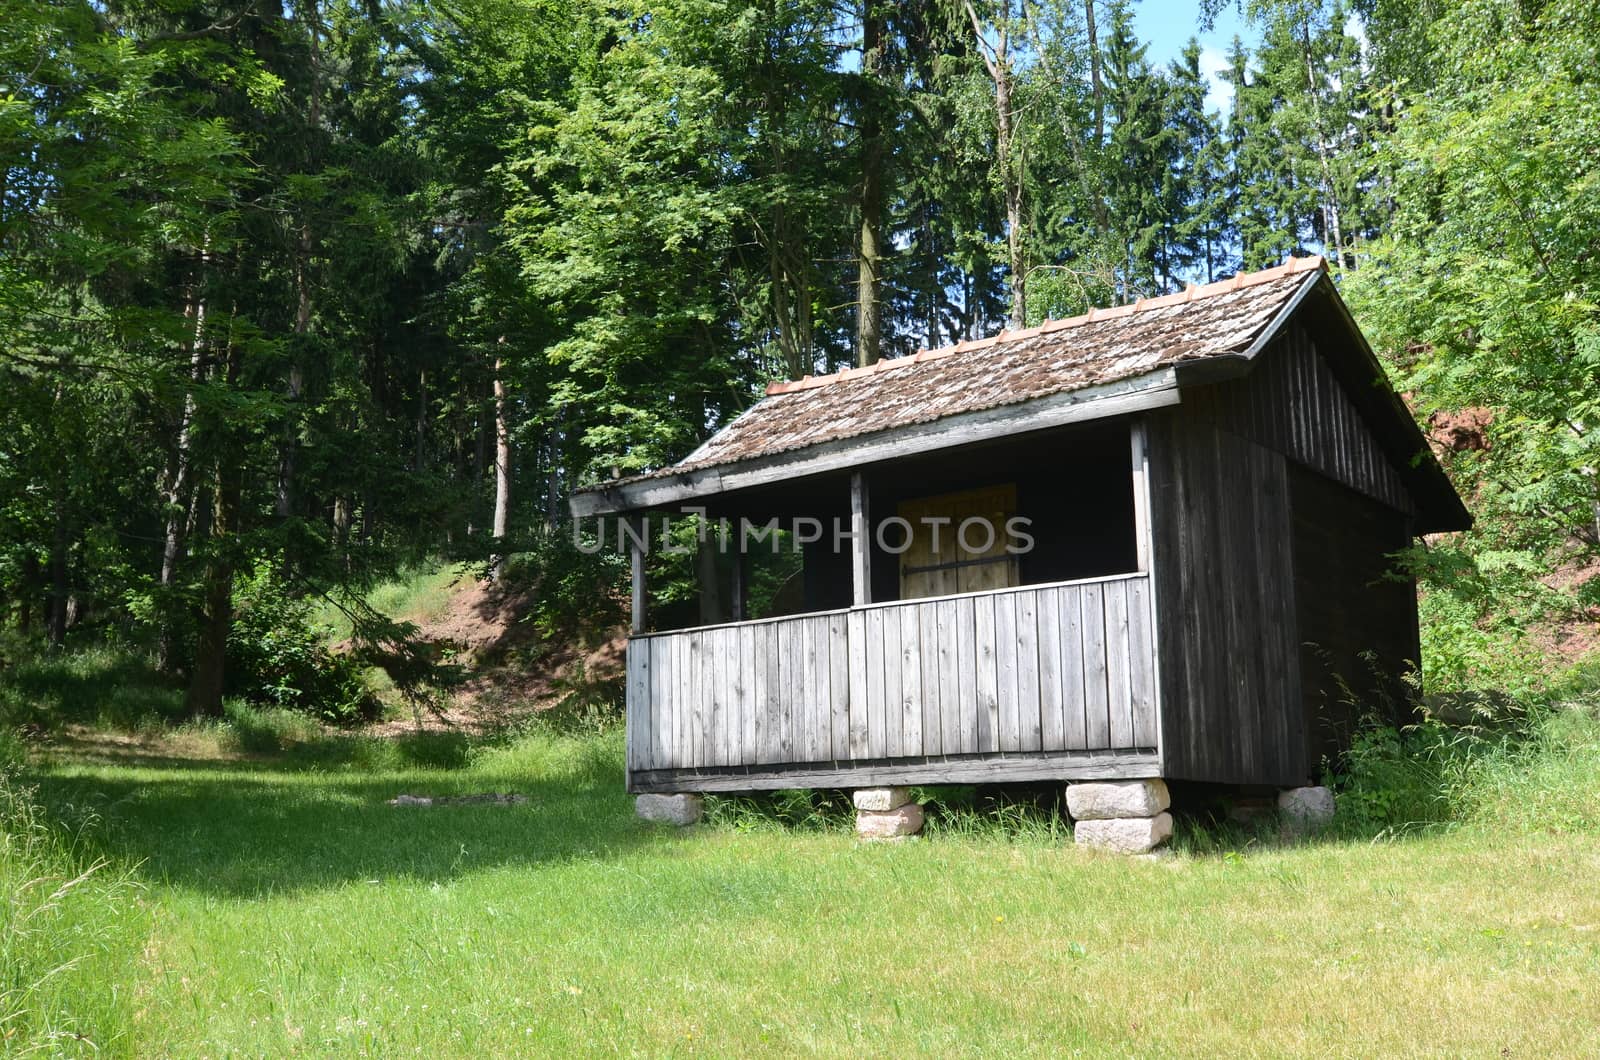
(244, 829)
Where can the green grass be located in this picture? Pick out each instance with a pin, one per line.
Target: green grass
(416, 594)
(292, 912)
(70, 931)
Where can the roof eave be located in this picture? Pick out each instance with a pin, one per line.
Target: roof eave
(1149, 391)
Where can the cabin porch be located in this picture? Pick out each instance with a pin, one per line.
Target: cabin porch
(1037, 682)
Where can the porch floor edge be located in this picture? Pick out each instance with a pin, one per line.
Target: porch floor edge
(993, 768)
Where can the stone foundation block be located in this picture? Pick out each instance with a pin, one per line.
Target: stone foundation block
(889, 824)
(1112, 799)
(881, 799)
(680, 810)
(1125, 835)
(1305, 810)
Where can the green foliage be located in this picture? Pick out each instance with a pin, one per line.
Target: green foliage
(1519, 765)
(579, 597)
(277, 657)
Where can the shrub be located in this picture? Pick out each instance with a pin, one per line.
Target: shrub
(1536, 768)
(579, 596)
(278, 658)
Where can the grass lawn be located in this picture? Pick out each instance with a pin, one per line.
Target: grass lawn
(289, 910)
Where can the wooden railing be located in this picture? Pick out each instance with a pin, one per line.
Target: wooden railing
(1061, 667)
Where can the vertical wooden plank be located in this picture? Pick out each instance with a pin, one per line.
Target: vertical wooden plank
(1027, 659)
(1141, 505)
(680, 698)
(822, 684)
(716, 707)
(910, 681)
(636, 569)
(772, 715)
(928, 647)
(893, 682)
(1048, 626)
(697, 721)
(967, 674)
(838, 687)
(1005, 646)
(986, 655)
(802, 707)
(810, 738)
(791, 659)
(634, 705)
(1119, 690)
(1074, 728)
(860, 541)
(949, 689)
(1097, 724)
(745, 693)
(728, 693)
(856, 631)
(652, 751)
(1142, 663)
(754, 733)
(800, 703)
(711, 700)
(874, 635)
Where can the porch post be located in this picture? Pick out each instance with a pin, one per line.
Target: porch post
(860, 546)
(636, 556)
(739, 578)
(1141, 495)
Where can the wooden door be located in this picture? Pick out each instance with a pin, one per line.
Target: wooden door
(937, 564)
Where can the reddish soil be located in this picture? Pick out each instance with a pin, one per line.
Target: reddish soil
(511, 671)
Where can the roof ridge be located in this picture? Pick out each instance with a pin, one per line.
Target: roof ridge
(1094, 314)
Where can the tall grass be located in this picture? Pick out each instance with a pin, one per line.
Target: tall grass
(104, 686)
(1535, 771)
(70, 934)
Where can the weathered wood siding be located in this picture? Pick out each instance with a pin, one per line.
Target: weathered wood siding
(1249, 570)
(1032, 670)
(1357, 620)
(1229, 653)
(1292, 403)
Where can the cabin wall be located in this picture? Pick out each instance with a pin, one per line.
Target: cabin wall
(1292, 403)
(1357, 620)
(1224, 574)
(1274, 508)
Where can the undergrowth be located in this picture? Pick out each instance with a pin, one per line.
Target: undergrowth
(70, 931)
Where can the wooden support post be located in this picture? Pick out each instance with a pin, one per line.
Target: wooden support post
(860, 541)
(1141, 495)
(636, 549)
(740, 580)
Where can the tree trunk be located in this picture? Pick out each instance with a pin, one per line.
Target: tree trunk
(60, 544)
(177, 492)
(216, 617)
(1332, 237)
(869, 310)
(997, 59)
(1012, 176)
(1097, 95)
(30, 591)
(302, 283)
(206, 682)
(502, 462)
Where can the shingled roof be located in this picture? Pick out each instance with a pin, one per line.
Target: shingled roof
(1107, 362)
(1101, 346)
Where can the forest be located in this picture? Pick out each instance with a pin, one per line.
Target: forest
(296, 292)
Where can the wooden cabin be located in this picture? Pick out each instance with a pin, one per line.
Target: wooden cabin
(1213, 483)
